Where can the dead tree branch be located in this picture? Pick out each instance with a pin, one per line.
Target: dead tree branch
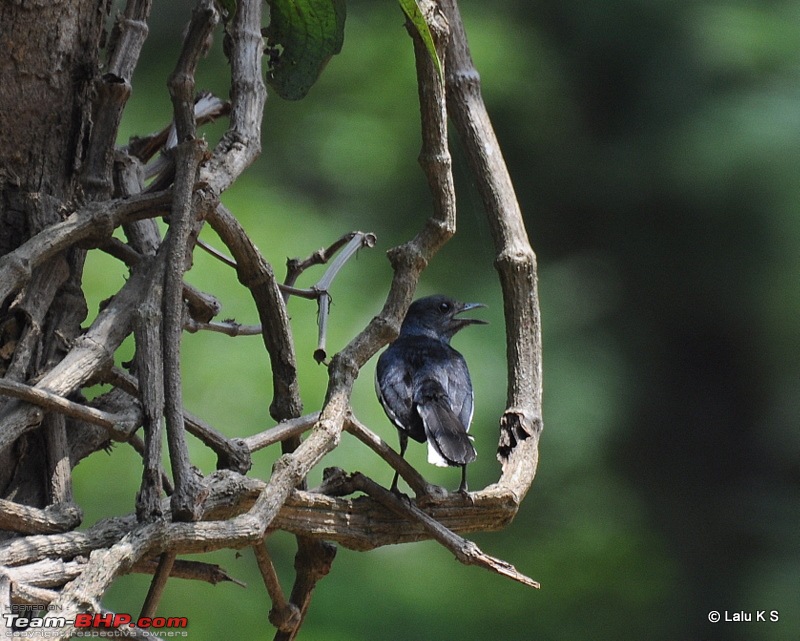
(45, 559)
(466, 552)
(515, 261)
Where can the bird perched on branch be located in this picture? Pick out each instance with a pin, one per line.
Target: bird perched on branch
(424, 384)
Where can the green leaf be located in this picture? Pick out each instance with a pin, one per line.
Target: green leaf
(306, 34)
(414, 14)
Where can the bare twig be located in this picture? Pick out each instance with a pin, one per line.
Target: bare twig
(296, 266)
(201, 306)
(349, 244)
(465, 551)
(94, 221)
(232, 454)
(415, 480)
(128, 36)
(59, 468)
(288, 429)
(283, 614)
(212, 251)
(359, 240)
(255, 273)
(324, 306)
(434, 156)
(119, 426)
(190, 570)
(187, 495)
(229, 328)
(311, 563)
(157, 585)
(138, 446)
(207, 108)
(147, 332)
(112, 91)
(308, 294)
(241, 143)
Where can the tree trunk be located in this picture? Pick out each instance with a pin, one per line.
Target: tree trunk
(50, 61)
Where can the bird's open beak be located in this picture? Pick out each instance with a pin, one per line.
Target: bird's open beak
(460, 323)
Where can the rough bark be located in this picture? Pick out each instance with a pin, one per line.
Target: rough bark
(65, 188)
(47, 75)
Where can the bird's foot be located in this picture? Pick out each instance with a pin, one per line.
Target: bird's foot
(402, 496)
(463, 490)
(393, 489)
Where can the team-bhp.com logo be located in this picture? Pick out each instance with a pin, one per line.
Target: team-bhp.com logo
(109, 620)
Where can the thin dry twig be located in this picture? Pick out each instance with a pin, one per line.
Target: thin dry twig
(157, 585)
(212, 251)
(465, 551)
(119, 426)
(285, 430)
(415, 480)
(229, 328)
(283, 615)
(189, 153)
(190, 570)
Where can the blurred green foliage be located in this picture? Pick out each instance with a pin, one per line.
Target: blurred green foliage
(654, 147)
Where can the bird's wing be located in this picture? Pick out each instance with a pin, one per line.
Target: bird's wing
(448, 442)
(458, 387)
(393, 384)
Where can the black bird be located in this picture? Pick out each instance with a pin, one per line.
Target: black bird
(424, 385)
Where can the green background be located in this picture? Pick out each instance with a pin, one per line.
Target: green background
(654, 148)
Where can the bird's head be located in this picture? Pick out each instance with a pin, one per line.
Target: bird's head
(438, 317)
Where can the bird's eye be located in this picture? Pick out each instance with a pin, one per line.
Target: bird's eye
(444, 307)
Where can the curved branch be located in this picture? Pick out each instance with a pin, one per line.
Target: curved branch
(241, 144)
(515, 261)
(94, 222)
(255, 273)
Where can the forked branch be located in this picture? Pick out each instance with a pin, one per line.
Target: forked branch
(227, 509)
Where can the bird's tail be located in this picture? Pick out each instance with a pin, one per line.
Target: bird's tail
(448, 441)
